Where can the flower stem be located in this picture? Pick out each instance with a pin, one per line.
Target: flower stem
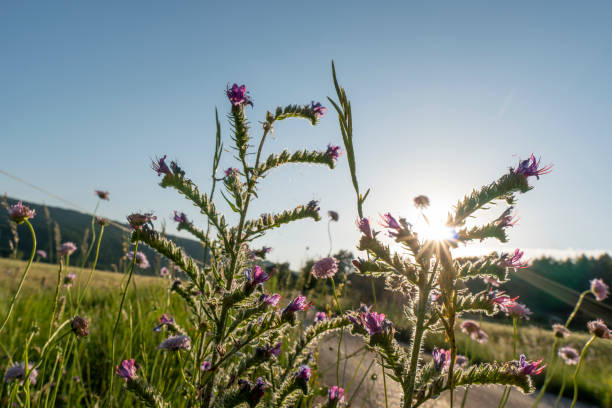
(508, 389)
(25, 273)
(93, 268)
(575, 378)
(55, 299)
(562, 388)
(93, 237)
(341, 331)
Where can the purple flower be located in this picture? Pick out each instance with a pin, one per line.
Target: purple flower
(313, 205)
(160, 166)
(569, 355)
(298, 304)
(388, 221)
(598, 328)
(206, 365)
(530, 367)
(42, 253)
(507, 219)
(127, 369)
(560, 331)
(516, 309)
(364, 226)
(255, 276)
(333, 151)
(276, 350)
(303, 373)
(164, 271)
(259, 389)
(163, 321)
(480, 337)
(501, 299)
(531, 167)
(335, 394)
(181, 218)
(325, 268)
(18, 371)
(19, 213)
(469, 327)
(69, 279)
(441, 358)
(272, 300)
(102, 195)
(318, 109)
(137, 220)
(599, 289)
(141, 259)
(333, 216)
(515, 261)
(174, 343)
(320, 316)
(372, 322)
(461, 361)
(231, 171)
(238, 95)
(67, 249)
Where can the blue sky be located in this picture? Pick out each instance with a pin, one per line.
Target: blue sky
(445, 98)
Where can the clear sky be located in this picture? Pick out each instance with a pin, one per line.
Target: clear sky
(445, 97)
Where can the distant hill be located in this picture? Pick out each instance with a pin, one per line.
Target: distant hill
(72, 226)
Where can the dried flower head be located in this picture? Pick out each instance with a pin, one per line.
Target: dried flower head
(303, 373)
(507, 219)
(80, 326)
(238, 95)
(333, 215)
(174, 343)
(141, 259)
(67, 248)
(137, 220)
(272, 300)
(320, 316)
(127, 369)
(325, 268)
(19, 213)
(17, 372)
(421, 202)
(102, 195)
(530, 367)
(103, 222)
(334, 152)
(599, 289)
(160, 166)
(598, 328)
(318, 109)
(42, 253)
(364, 226)
(335, 394)
(560, 331)
(569, 355)
(531, 167)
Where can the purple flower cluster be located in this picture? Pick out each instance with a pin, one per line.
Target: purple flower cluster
(299, 304)
(335, 394)
(174, 343)
(67, 248)
(181, 218)
(599, 289)
(19, 213)
(531, 167)
(334, 152)
(303, 373)
(389, 222)
(238, 95)
(160, 166)
(231, 172)
(441, 358)
(515, 260)
(17, 372)
(137, 220)
(255, 276)
(318, 109)
(320, 316)
(127, 369)
(530, 367)
(164, 320)
(141, 259)
(205, 366)
(253, 391)
(372, 322)
(325, 268)
(271, 300)
(364, 226)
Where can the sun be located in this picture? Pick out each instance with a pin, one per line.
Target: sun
(431, 226)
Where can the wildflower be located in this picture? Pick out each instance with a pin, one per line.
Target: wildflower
(531, 167)
(500, 298)
(137, 220)
(333, 215)
(325, 268)
(205, 366)
(80, 326)
(364, 226)
(372, 322)
(160, 166)
(163, 321)
(272, 300)
(127, 369)
(569, 355)
(516, 309)
(560, 331)
(313, 205)
(298, 304)
(515, 261)
(238, 95)
(599, 289)
(318, 109)
(20, 213)
(440, 358)
(530, 367)
(259, 389)
(42, 253)
(102, 195)
(141, 259)
(421, 202)
(334, 152)
(598, 328)
(461, 361)
(18, 371)
(480, 337)
(255, 276)
(491, 280)
(174, 343)
(67, 248)
(69, 280)
(276, 350)
(469, 327)
(507, 219)
(388, 221)
(303, 373)
(164, 271)
(320, 316)
(181, 218)
(335, 394)
(268, 351)
(231, 171)
(103, 222)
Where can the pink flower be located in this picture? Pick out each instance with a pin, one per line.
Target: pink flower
(531, 167)
(599, 289)
(141, 259)
(256, 275)
(560, 331)
(318, 109)
(336, 394)
(175, 343)
(325, 268)
(298, 304)
(372, 322)
(517, 310)
(69, 279)
(67, 249)
(160, 166)
(102, 195)
(163, 320)
(598, 328)
(569, 355)
(469, 327)
(181, 218)
(18, 371)
(127, 369)
(164, 271)
(303, 373)
(231, 172)
(530, 367)
(364, 226)
(334, 152)
(41, 253)
(238, 95)
(515, 260)
(19, 213)
(137, 220)
(320, 316)
(272, 300)
(206, 365)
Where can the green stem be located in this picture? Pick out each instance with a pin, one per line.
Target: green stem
(508, 389)
(575, 378)
(25, 273)
(57, 289)
(93, 268)
(465, 393)
(127, 285)
(341, 331)
(419, 331)
(93, 237)
(562, 388)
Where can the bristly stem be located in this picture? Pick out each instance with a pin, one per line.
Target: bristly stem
(127, 285)
(93, 268)
(508, 389)
(419, 331)
(575, 377)
(21, 281)
(341, 331)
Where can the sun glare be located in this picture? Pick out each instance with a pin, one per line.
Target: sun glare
(435, 229)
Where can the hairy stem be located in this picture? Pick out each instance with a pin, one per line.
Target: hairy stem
(575, 377)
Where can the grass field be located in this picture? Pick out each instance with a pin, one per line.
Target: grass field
(86, 376)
